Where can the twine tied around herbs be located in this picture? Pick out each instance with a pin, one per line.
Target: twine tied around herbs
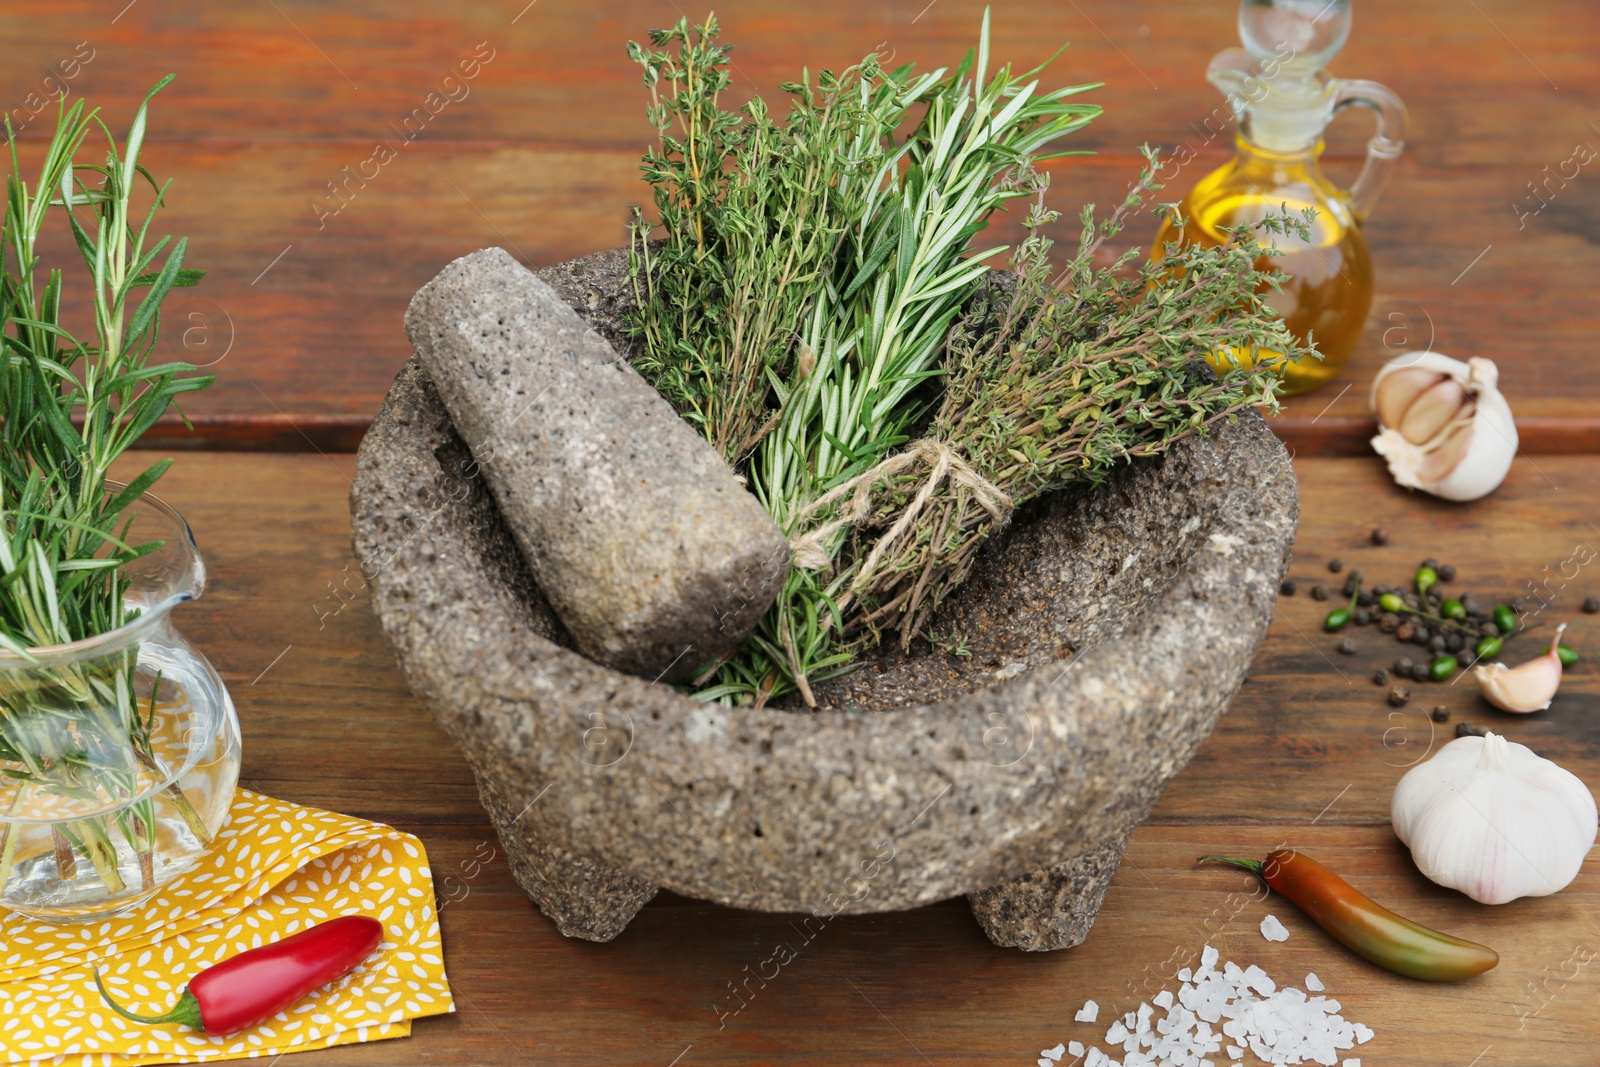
(810, 549)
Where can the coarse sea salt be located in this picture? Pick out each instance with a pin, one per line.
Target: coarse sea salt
(1273, 930)
(1244, 1006)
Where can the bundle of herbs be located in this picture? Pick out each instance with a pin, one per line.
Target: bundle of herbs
(68, 409)
(817, 308)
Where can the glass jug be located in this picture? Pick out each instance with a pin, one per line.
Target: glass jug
(119, 753)
(1283, 99)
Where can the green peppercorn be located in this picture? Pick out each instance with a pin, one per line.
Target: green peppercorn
(1426, 577)
(1442, 668)
(1569, 656)
(1391, 602)
(1452, 609)
(1505, 618)
(1336, 619)
(1488, 648)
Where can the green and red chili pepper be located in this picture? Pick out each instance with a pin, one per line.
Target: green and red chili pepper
(1364, 926)
(250, 988)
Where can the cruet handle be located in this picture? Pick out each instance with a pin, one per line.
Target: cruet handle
(1386, 144)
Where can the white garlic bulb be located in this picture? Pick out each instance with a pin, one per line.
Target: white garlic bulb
(1443, 425)
(1489, 817)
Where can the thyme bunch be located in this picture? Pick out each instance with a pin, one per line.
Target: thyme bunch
(1059, 382)
(751, 213)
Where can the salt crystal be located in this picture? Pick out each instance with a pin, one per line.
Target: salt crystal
(1185, 975)
(1363, 1034)
(1088, 1013)
(1054, 1053)
(1273, 930)
(1043, 1062)
(1075, 1048)
(1117, 1034)
(1313, 983)
(1164, 999)
(1351, 1063)
(1209, 957)
(1235, 1052)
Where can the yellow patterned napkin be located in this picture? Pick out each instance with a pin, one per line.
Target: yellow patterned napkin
(276, 869)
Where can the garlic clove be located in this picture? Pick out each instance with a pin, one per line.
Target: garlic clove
(1444, 459)
(1472, 437)
(1529, 687)
(1399, 389)
(1431, 411)
(1493, 819)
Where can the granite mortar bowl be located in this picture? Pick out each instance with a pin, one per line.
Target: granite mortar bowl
(1073, 675)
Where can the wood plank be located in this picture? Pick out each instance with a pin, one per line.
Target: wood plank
(560, 75)
(1304, 756)
(301, 321)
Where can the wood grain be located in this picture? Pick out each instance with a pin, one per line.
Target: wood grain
(1307, 754)
(274, 101)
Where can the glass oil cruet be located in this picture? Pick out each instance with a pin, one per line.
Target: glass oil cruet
(1283, 99)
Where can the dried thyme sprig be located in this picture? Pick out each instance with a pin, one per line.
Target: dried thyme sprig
(1060, 382)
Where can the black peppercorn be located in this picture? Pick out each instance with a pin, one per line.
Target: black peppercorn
(1288, 587)
(1389, 622)
(1454, 643)
(1380, 536)
(1466, 729)
(1489, 629)
(1419, 673)
(1447, 573)
(1365, 599)
(1347, 647)
(1404, 664)
(1438, 643)
(1432, 564)
(1440, 714)
(1319, 592)
(1591, 605)
(1399, 695)
(1406, 630)
(1363, 617)
(1380, 677)
(1335, 565)
(1422, 635)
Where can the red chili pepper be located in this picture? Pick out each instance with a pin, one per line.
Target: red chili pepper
(254, 986)
(1363, 926)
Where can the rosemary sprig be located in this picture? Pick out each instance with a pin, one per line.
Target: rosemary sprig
(74, 730)
(905, 272)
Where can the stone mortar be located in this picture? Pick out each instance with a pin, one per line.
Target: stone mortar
(1082, 664)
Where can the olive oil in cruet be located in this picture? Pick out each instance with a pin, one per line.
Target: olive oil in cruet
(1283, 100)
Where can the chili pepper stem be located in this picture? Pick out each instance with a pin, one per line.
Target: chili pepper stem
(186, 1011)
(1255, 867)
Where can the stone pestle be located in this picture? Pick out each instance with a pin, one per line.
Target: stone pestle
(653, 555)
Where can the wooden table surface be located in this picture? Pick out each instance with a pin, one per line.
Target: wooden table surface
(301, 320)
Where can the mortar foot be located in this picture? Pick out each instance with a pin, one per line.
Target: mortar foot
(1051, 908)
(583, 898)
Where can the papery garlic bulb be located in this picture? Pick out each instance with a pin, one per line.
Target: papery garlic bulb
(1489, 817)
(1443, 425)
